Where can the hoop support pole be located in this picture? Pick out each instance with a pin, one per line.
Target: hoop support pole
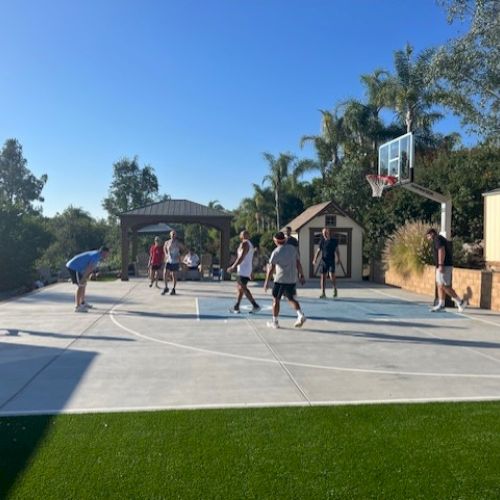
(446, 206)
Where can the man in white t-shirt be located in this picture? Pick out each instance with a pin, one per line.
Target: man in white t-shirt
(244, 267)
(191, 260)
(172, 249)
(285, 262)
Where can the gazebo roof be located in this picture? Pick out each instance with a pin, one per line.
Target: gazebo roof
(177, 208)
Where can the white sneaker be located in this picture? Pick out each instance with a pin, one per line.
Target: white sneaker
(272, 324)
(461, 305)
(255, 309)
(81, 309)
(300, 321)
(437, 308)
(87, 305)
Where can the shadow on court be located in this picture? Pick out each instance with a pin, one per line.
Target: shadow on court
(20, 371)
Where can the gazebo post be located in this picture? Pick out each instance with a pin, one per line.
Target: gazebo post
(224, 249)
(134, 245)
(125, 250)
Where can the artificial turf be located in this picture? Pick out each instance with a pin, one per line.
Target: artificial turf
(425, 451)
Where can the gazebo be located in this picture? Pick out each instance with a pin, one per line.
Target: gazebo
(172, 211)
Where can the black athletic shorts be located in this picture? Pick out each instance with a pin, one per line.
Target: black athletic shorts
(76, 277)
(172, 267)
(243, 280)
(289, 290)
(327, 267)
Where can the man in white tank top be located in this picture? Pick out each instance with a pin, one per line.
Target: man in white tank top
(243, 265)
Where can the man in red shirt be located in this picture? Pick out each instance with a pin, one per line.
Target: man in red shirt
(155, 263)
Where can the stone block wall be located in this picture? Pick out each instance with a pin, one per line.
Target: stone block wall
(480, 288)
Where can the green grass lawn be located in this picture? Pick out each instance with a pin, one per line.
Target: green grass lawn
(425, 451)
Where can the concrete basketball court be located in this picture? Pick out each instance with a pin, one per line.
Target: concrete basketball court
(137, 350)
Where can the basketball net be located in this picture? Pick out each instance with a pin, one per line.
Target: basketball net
(380, 182)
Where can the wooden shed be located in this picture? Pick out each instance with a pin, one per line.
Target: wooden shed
(307, 229)
(492, 228)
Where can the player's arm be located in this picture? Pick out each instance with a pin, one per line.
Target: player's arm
(269, 274)
(316, 255)
(441, 256)
(337, 253)
(87, 272)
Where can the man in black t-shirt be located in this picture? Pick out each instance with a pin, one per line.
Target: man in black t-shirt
(328, 248)
(443, 258)
(290, 240)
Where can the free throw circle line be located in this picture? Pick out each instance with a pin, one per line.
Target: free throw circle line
(293, 363)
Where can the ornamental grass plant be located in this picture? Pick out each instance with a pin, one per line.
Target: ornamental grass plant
(407, 251)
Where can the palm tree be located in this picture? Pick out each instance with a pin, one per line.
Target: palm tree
(216, 205)
(279, 170)
(263, 200)
(328, 145)
(412, 91)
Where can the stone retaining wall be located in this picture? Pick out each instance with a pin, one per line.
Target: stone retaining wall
(480, 288)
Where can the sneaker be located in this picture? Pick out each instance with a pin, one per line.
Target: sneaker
(234, 310)
(165, 290)
(322, 296)
(437, 308)
(172, 292)
(461, 306)
(87, 305)
(300, 321)
(335, 293)
(272, 324)
(255, 309)
(150, 285)
(81, 309)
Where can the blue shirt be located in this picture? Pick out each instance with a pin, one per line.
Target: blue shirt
(81, 261)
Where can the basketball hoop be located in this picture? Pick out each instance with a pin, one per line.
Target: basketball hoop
(380, 182)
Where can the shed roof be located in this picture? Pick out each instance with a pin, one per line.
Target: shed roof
(493, 192)
(315, 210)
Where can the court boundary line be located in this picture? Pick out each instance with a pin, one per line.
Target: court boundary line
(255, 405)
(452, 311)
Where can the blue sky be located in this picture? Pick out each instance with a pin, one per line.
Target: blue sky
(196, 89)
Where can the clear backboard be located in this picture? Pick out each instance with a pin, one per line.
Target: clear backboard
(395, 159)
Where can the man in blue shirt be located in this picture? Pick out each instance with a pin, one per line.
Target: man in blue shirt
(80, 267)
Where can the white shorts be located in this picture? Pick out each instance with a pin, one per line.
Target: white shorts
(444, 278)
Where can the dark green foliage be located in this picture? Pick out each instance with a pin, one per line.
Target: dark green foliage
(18, 186)
(465, 175)
(23, 240)
(132, 187)
(73, 231)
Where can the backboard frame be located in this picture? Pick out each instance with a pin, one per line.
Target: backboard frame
(396, 158)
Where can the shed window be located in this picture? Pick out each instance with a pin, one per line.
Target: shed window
(330, 220)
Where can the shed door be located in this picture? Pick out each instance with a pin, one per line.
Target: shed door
(344, 237)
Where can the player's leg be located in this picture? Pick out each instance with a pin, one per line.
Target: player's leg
(290, 294)
(333, 279)
(248, 294)
(322, 280)
(166, 272)
(173, 273)
(277, 293)
(440, 282)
